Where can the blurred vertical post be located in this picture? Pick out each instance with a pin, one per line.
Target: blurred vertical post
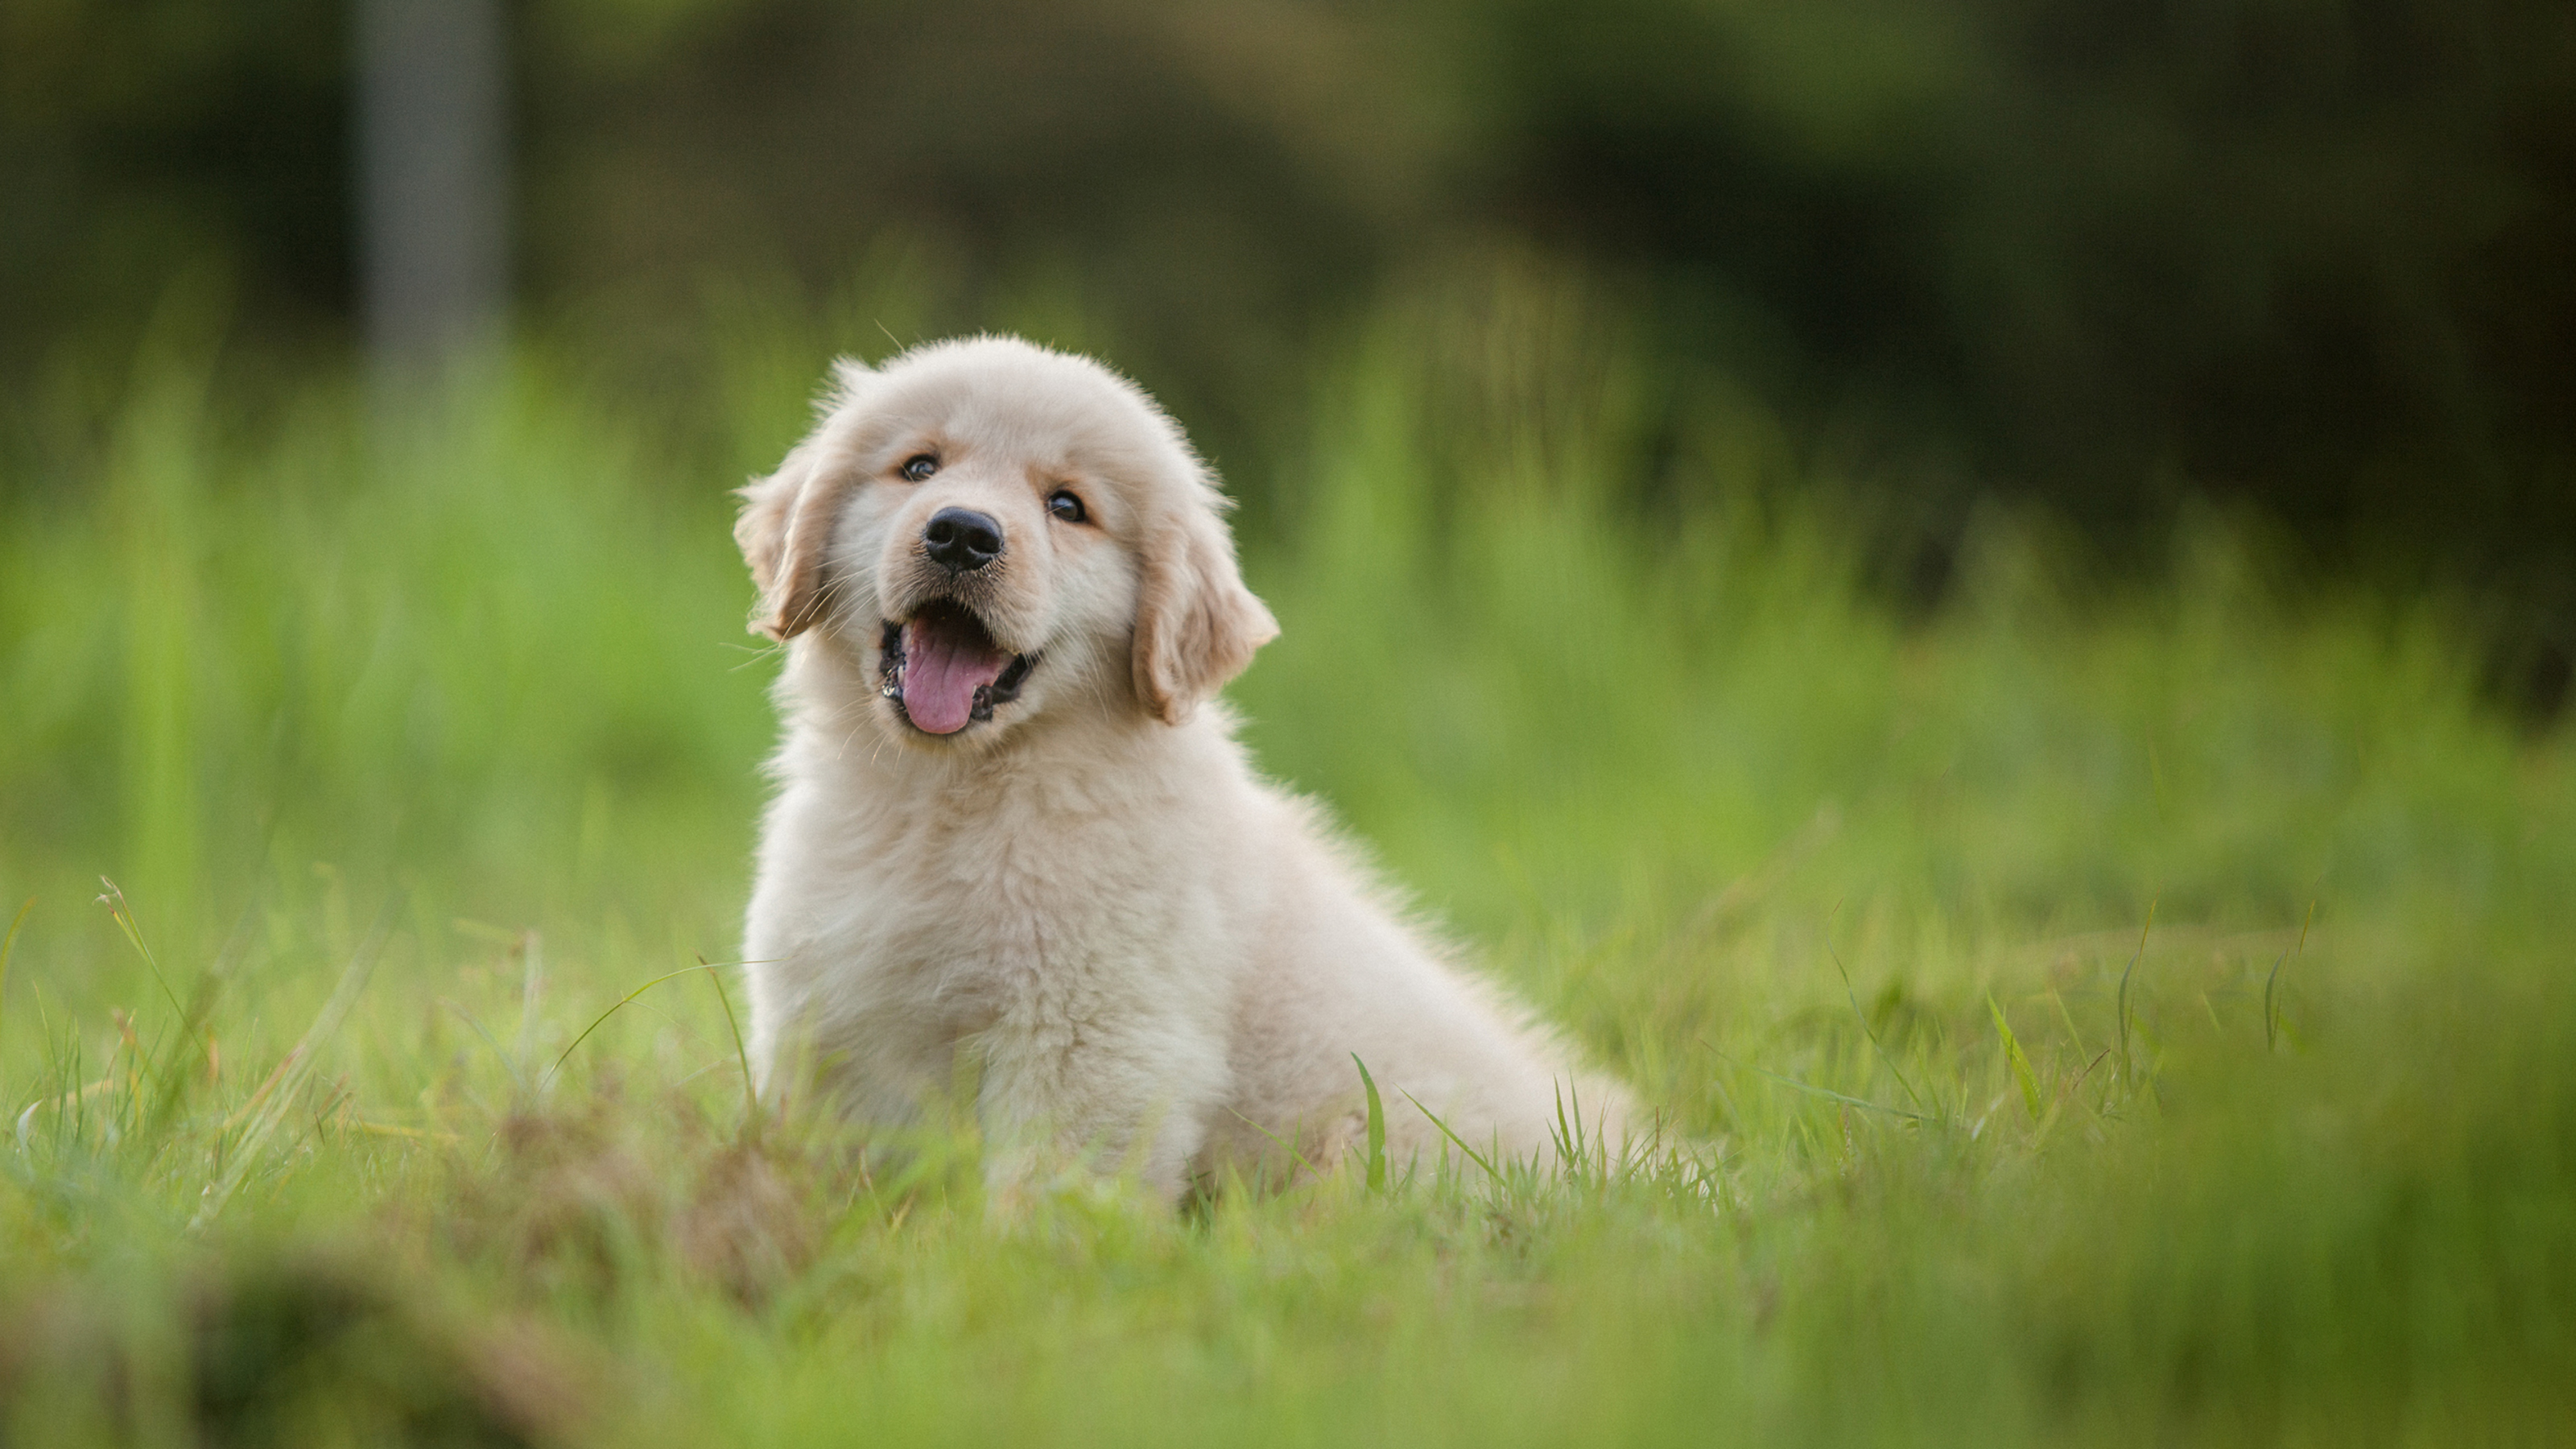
(433, 184)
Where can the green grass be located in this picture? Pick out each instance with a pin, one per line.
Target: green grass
(427, 752)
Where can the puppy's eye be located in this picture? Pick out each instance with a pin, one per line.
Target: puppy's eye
(919, 466)
(1063, 505)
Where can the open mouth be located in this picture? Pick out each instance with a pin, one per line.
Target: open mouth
(943, 670)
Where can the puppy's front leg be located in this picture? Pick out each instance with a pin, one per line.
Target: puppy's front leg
(1131, 1098)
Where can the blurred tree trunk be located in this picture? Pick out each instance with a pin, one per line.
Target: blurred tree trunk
(433, 181)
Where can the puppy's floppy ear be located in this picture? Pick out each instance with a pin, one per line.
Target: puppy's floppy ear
(786, 523)
(1196, 624)
(786, 520)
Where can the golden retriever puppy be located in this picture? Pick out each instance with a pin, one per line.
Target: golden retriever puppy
(1016, 851)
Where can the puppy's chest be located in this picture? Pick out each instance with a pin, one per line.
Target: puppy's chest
(963, 917)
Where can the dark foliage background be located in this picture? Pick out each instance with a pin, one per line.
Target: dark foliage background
(2308, 260)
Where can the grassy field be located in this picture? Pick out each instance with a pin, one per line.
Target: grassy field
(2098, 1013)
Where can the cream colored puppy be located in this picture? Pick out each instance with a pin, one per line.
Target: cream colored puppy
(1011, 823)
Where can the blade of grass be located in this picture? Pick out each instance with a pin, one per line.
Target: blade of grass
(1583, 1152)
(622, 1002)
(2271, 1015)
(1289, 1147)
(9, 944)
(532, 988)
(1828, 1093)
(1473, 1155)
(299, 1064)
(750, 1095)
(2020, 1064)
(518, 1083)
(2067, 1019)
(123, 914)
(2121, 1010)
(201, 1009)
(1866, 1029)
(1376, 1128)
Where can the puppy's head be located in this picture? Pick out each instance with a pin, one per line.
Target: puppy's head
(991, 532)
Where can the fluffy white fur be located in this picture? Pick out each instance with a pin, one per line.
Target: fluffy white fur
(1087, 908)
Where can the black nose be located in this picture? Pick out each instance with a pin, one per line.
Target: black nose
(961, 540)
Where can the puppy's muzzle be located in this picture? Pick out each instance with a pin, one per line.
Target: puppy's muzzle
(961, 540)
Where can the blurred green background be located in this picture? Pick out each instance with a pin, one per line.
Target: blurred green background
(1975, 597)
(2307, 259)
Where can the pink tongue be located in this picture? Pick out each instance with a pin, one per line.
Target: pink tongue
(943, 666)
